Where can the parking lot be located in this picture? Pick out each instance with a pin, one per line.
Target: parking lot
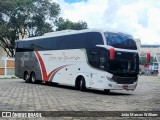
(17, 95)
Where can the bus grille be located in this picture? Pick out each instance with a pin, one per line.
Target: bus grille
(124, 80)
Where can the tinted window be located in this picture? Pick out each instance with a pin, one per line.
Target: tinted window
(75, 41)
(120, 40)
(97, 58)
(39, 44)
(23, 46)
(124, 64)
(45, 44)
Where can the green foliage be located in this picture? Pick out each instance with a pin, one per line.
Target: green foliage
(28, 18)
(63, 24)
(20, 18)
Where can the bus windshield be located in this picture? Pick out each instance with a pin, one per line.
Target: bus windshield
(120, 40)
(124, 64)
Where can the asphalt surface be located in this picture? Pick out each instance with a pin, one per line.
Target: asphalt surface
(16, 95)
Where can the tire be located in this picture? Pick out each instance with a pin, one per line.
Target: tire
(33, 78)
(47, 82)
(82, 85)
(38, 81)
(106, 91)
(26, 77)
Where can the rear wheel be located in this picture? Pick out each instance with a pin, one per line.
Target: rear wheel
(26, 77)
(82, 85)
(33, 78)
(39, 81)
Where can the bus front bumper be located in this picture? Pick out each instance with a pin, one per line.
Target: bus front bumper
(115, 86)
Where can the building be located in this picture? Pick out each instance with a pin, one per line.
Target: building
(2, 52)
(153, 66)
(7, 66)
(150, 48)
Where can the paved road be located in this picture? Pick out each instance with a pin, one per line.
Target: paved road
(17, 95)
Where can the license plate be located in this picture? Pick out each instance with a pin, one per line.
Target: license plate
(125, 87)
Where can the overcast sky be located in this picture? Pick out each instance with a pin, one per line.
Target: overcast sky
(141, 18)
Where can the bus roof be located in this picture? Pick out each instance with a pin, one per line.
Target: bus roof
(62, 33)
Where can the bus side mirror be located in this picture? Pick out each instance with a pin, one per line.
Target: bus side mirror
(148, 57)
(112, 54)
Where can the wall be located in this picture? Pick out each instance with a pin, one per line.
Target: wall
(2, 52)
(7, 66)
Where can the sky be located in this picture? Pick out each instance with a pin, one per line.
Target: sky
(140, 18)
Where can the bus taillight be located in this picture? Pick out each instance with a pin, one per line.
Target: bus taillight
(148, 57)
(112, 53)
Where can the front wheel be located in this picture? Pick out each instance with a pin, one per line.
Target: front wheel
(106, 91)
(82, 85)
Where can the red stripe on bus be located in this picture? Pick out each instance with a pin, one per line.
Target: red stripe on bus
(46, 77)
(55, 71)
(43, 69)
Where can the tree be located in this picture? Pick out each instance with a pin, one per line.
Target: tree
(29, 18)
(63, 24)
(20, 18)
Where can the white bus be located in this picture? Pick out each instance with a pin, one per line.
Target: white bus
(85, 59)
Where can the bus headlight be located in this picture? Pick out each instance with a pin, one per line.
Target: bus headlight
(110, 79)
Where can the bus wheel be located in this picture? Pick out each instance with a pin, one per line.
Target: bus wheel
(33, 78)
(82, 85)
(26, 77)
(106, 91)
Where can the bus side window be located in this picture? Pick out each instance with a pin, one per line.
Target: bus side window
(93, 57)
(97, 58)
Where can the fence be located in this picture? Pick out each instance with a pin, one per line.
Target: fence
(7, 67)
